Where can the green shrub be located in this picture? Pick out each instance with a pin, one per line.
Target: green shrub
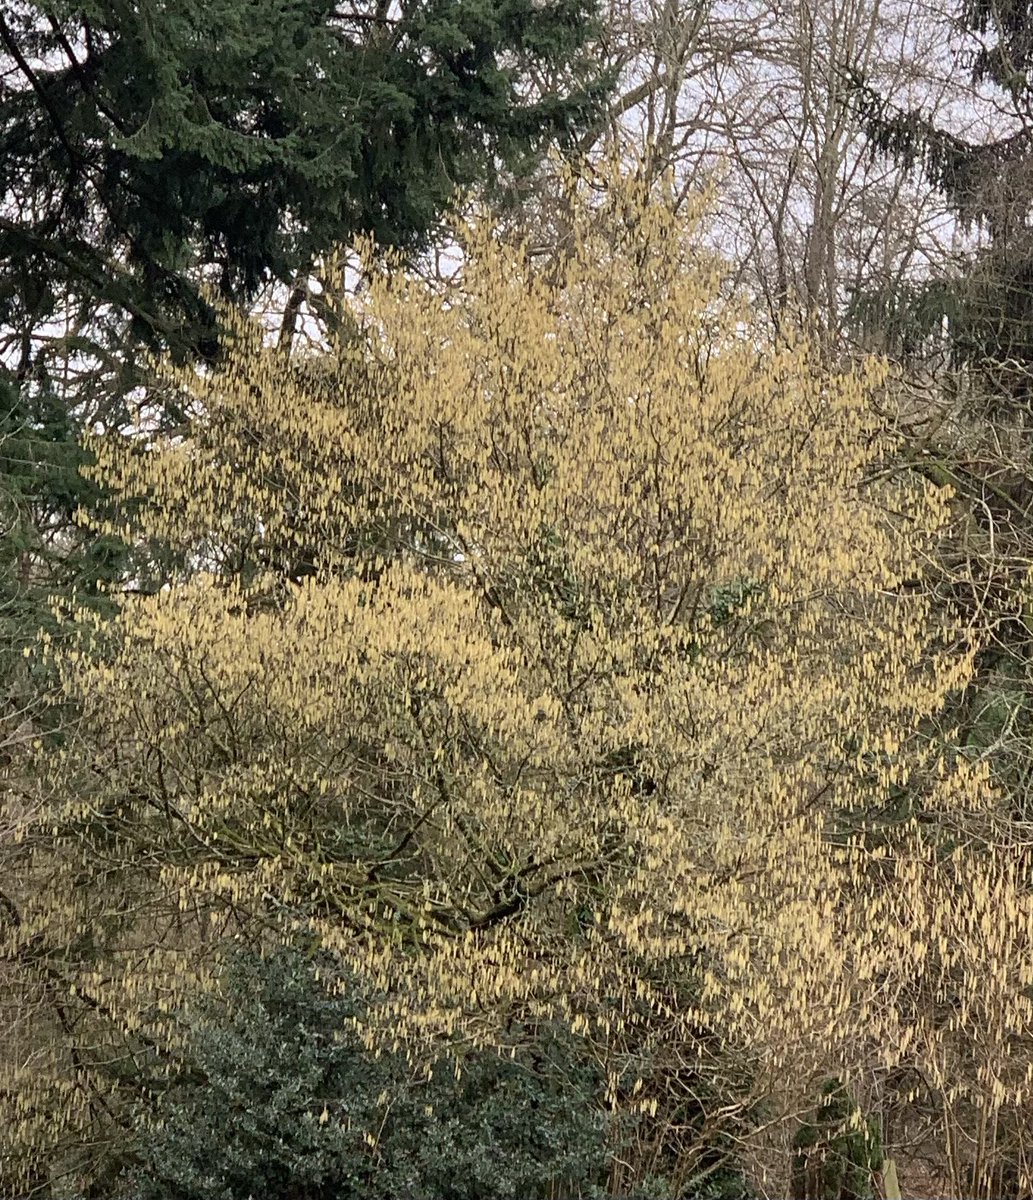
(278, 1101)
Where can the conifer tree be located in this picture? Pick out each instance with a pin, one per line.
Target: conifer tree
(987, 182)
(146, 149)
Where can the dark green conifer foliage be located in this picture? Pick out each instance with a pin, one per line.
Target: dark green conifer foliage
(44, 554)
(141, 145)
(987, 305)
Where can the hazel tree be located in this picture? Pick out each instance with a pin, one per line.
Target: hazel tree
(551, 647)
